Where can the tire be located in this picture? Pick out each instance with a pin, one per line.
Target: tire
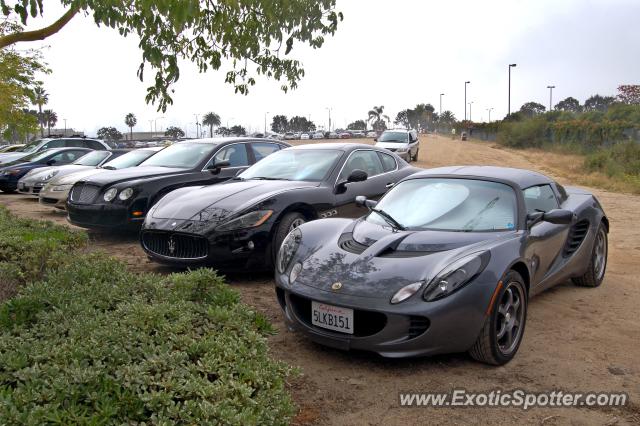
(594, 275)
(288, 222)
(415, 157)
(509, 308)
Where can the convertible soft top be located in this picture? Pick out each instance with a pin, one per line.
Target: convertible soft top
(518, 177)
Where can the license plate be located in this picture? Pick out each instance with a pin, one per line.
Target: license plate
(332, 317)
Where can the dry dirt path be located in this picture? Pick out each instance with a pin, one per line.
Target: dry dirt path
(576, 339)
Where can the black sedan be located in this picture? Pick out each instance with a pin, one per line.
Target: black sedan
(445, 262)
(11, 172)
(239, 222)
(122, 198)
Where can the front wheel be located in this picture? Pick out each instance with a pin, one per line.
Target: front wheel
(503, 329)
(594, 275)
(415, 157)
(289, 222)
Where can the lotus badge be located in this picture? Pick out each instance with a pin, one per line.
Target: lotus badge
(336, 286)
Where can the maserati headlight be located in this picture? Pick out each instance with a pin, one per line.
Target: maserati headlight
(248, 220)
(49, 175)
(110, 194)
(406, 292)
(125, 194)
(456, 275)
(288, 249)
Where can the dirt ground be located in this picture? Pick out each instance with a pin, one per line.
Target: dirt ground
(576, 340)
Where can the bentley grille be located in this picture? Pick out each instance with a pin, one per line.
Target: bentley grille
(84, 194)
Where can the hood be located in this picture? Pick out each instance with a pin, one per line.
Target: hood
(7, 158)
(39, 173)
(133, 173)
(74, 176)
(215, 203)
(376, 263)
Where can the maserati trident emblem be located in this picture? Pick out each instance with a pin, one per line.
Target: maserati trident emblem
(172, 246)
(336, 286)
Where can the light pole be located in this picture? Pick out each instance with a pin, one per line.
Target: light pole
(465, 99)
(509, 101)
(329, 109)
(65, 126)
(550, 96)
(470, 110)
(265, 123)
(489, 109)
(441, 95)
(155, 124)
(197, 126)
(151, 127)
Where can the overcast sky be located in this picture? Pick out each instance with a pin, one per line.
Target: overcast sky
(393, 53)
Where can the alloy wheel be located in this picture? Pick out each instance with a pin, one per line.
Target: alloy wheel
(510, 320)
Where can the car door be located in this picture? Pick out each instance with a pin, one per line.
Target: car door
(376, 184)
(236, 154)
(545, 240)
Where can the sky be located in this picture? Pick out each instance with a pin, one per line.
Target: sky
(393, 53)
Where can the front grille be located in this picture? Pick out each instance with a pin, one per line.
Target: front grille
(392, 149)
(576, 236)
(48, 200)
(347, 243)
(84, 194)
(417, 326)
(365, 323)
(179, 246)
(36, 189)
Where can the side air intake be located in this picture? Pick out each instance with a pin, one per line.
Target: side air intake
(576, 237)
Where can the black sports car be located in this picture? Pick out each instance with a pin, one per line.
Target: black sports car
(444, 262)
(122, 198)
(239, 222)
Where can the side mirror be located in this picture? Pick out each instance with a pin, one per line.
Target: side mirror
(362, 201)
(559, 217)
(218, 165)
(375, 139)
(356, 175)
(51, 162)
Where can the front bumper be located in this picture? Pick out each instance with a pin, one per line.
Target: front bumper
(410, 328)
(30, 187)
(8, 183)
(57, 199)
(102, 216)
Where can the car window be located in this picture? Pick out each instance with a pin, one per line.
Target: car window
(388, 162)
(295, 164)
(67, 157)
(92, 159)
(540, 198)
(363, 160)
(235, 154)
(182, 155)
(57, 143)
(262, 149)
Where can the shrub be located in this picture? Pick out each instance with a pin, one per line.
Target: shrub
(531, 133)
(621, 159)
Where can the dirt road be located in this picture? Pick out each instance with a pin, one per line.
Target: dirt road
(576, 340)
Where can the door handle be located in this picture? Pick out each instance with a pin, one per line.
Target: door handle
(389, 185)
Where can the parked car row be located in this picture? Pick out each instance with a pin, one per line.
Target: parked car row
(369, 252)
(338, 134)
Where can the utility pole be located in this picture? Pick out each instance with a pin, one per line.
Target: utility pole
(509, 102)
(489, 109)
(265, 123)
(329, 109)
(470, 110)
(441, 95)
(65, 126)
(551, 97)
(465, 99)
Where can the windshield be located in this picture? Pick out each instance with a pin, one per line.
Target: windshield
(394, 137)
(295, 164)
(181, 155)
(31, 146)
(130, 159)
(91, 159)
(449, 205)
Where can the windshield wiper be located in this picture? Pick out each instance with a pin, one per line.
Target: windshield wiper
(108, 167)
(267, 178)
(389, 219)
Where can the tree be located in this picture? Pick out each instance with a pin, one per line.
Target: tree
(50, 118)
(377, 118)
(174, 132)
(447, 118)
(41, 98)
(109, 133)
(629, 94)
(223, 131)
(211, 119)
(532, 108)
(279, 124)
(598, 103)
(237, 130)
(569, 104)
(301, 124)
(130, 120)
(357, 125)
(251, 37)
(402, 118)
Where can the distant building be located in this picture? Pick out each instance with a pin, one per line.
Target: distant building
(137, 136)
(62, 132)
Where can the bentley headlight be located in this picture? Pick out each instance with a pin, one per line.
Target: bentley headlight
(248, 220)
(406, 292)
(288, 249)
(456, 275)
(125, 194)
(49, 175)
(110, 194)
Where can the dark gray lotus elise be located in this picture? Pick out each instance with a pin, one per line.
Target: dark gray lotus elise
(445, 262)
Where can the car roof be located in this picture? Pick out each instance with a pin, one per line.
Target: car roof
(516, 177)
(228, 140)
(334, 145)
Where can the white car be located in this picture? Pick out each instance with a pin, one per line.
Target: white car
(403, 142)
(318, 135)
(372, 134)
(305, 136)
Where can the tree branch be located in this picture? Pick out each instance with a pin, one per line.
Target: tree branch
(39, 34)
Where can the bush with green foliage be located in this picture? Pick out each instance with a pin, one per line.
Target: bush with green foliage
(620, 160)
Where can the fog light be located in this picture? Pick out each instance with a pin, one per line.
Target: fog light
(137, 213)
(250, 245)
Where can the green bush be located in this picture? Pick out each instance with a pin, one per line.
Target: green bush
(531, 133)
(621, 160)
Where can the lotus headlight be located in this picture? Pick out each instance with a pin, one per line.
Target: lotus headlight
(125, 194)
(110, 194)
(406, 292)
(248, 220)
(49, 175)
(456, 275)
(288, 249)
(295, 271)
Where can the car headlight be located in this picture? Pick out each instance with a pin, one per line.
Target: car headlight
(11, 172)
(288, 249)
(295, 271)
(49, 175)
(403, 149)
(406, 292)
(60, 188)
(110, 194)
(248, 220)
(125, 194)
(456, 275)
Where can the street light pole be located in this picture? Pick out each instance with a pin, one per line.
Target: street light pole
(329, 109)
(197, 126)
(465, 99)
(509, 102)
(489, 109)
(65, 126)
(441, 95)
(550, 96)
(265, 123)
(470, 110)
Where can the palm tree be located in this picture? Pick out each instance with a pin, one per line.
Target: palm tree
(376, 116)
(211, 119)
(50, 118)
(42, 97)
(130, 120)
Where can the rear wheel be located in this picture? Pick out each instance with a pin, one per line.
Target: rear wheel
(503, 329)
(289, 222)
(594, 275)
(415, 157)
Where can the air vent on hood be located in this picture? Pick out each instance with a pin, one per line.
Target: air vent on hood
(576, 237)
(347, 243)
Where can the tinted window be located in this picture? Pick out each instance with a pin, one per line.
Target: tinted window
(540, 198)
(92, 159)
(388, 162)
(67, 157)
(235, 154)
(95, 145)
(130, 159)
(181, 155)
(362, 160)
(262, 149)
(57, 143)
